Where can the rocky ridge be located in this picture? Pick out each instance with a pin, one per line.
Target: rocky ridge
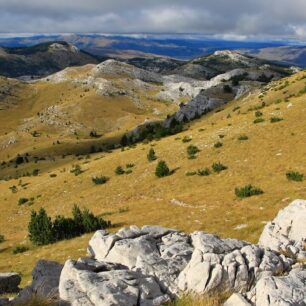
(152, 265)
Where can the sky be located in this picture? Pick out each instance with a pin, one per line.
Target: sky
(234, 19)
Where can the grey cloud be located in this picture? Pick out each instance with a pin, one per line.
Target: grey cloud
(218, 17)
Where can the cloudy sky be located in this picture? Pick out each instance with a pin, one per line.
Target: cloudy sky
(228, 18)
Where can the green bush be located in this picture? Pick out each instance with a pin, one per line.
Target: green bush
(22, 201)
(259, 120)
(129, 166)
(218, 144)
(192, 151)
(2, 239)
(151, 156)
(119, 170)
(243, 137)
(186, 139)
(20, 249)
(203, 172)
(295, 176)
(247, 191)
(42, 230)
(218, 167)
(152, 131)
(275, 119)
(76, 170)
(162, 169)
(100, 180)
(258, 114)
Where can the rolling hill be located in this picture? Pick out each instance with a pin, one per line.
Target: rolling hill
(258, 138)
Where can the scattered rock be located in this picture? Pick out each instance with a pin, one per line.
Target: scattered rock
(9, 282)
(45, 282)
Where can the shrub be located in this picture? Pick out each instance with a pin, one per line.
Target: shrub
(192, 151)
(258, 114)
(119, 170)
(153, 131)
(218, 144)
(186, 139)
(275, 119)
(247, 191)
(162, 169)
(151, 156)
(76, 170)
(100, 180)
(295, 176)
(20, 249)
(129, 166)
(218, 167)
(204, 172)
(94, 134)
(2, 239)
(243, 137)
(35, 172)
(42, 230)
(22, 201)
(259, 120)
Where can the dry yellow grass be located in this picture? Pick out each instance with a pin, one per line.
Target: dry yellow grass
(211, 299)
(209, 203)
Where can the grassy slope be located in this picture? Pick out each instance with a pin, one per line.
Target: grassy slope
(108, 116)
(140, 198)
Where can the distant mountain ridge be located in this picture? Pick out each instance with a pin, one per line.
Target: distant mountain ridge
(42, 59)
(183, 47)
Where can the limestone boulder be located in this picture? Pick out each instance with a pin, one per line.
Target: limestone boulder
(287, 232)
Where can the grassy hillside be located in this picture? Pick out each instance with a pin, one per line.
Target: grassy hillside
(254, 153)
(53, 118)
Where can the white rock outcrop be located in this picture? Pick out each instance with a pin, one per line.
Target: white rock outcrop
(150, 265)
(162, 263)
(287, 232)
(281, 290)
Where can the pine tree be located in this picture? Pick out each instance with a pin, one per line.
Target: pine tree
(162, 169)
(151, 155)
(40, 228)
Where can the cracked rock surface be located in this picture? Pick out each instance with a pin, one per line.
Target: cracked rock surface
(150, 265)
(287, 232)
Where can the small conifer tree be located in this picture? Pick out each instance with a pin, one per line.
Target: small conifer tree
(162, 169)
(151, 155)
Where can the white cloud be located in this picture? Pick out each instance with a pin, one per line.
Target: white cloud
(228, 18)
